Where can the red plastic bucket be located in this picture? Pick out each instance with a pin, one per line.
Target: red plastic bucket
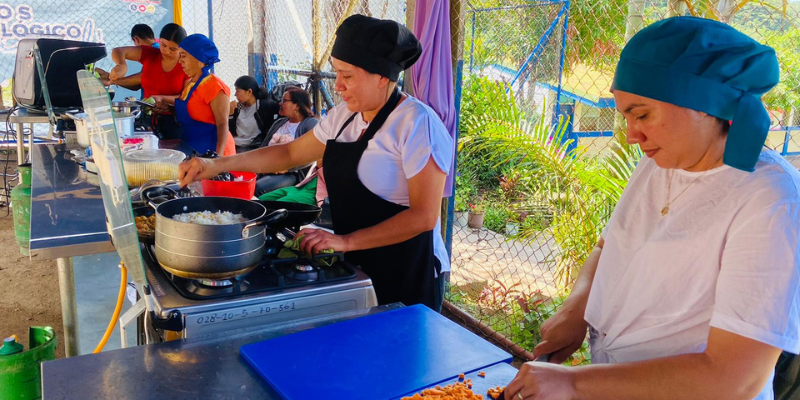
(240, 189)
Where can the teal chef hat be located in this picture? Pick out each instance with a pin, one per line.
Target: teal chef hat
(706, 66)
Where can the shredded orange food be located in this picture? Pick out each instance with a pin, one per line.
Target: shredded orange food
(482, 374)
(456, 391)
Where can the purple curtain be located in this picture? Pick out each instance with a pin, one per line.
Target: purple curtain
(432, 74)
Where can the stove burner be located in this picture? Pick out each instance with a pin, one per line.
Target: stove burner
(215, 283)
(304, 268)
(304, 272)
(209, 287)
(271, 274)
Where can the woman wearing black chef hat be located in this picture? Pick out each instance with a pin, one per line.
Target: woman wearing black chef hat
(386, 156)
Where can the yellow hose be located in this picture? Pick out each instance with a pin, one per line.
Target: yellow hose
(123, 284)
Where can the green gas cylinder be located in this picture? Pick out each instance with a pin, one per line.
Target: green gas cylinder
(20, 375)
(21, 206)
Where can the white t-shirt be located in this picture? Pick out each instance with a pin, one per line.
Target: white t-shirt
(726, 255)
(399, 151)
(284, 134)
(246, 126)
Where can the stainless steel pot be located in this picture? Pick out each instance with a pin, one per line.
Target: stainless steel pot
(211, 251)
(124, 123)
(81, 128)
(125, 107)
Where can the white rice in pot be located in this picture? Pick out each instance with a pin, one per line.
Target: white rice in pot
(210, 218)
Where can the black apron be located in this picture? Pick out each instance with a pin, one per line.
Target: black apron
(402, 272)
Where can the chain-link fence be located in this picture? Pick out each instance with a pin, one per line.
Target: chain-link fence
(298, 37)
(528, 212)
(231, 29)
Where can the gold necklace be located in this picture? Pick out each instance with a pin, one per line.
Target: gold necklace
(665, 209)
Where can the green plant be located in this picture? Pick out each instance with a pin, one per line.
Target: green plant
(465, 190)
(476, 206)
(581, 190)
(514, 311)
(496, 217)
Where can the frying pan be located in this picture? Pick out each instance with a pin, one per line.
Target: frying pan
(298, 214)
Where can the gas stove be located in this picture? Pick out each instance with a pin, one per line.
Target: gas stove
(277, 290)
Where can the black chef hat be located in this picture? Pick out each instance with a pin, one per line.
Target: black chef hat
(379, 46)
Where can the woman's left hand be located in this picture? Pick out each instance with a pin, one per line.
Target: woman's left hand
(161, 106)
(316, 240)
(541, 381)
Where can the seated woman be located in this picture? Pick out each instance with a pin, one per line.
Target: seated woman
(161, 78)
(202, 108)
(253, 114)
(297, 119)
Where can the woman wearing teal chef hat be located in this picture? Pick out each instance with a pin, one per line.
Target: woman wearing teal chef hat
(692, 291)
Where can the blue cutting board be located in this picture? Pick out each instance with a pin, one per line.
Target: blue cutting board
(374, 357)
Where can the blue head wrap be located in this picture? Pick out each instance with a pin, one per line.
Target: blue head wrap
(201, 48)
(705, 66)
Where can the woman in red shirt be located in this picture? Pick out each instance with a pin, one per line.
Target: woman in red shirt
(162, 78)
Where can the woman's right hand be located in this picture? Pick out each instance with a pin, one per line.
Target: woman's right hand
(117, 72)
(197, 169)
(562, 335)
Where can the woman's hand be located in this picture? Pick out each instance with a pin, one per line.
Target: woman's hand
(562, 335)
(103, 76)
(541, 381)
(317, 240)
(117, 72)
(196, 169)
(162, 105)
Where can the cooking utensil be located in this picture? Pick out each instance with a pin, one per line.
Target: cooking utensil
(125, 107)
(542, 358)
(299, 214)
(81, 128)
(124, 123)
(211, 251)
(144, 104)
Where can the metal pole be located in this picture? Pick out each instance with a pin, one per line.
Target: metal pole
(457, 16)
(316, 34)
(69, 307)
(471, 43)
(21, 143)
(565, 11)
(411, 8)
(210, 26)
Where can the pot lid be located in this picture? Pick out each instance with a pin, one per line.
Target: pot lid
(113, 185)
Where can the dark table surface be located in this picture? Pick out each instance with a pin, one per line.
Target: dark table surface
(183, 369)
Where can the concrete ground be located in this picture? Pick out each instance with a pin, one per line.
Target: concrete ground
(483, 257)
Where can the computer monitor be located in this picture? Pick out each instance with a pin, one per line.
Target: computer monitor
(60, 60)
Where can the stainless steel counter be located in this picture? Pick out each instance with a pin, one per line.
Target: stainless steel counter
(186, 369)
(67, 214)
(67, 219)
